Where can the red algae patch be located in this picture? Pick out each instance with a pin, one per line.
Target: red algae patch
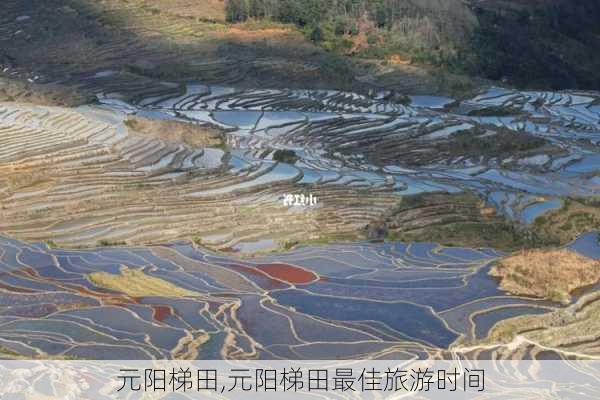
(261, 278)
(161, 312)
(288, 273)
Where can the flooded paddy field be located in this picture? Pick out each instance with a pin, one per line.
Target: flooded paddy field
(131, 243)
(536, 143)
(338, 301)
(521, 152)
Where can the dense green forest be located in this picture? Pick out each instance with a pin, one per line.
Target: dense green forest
(426, 30)
(551, 43)
(556, 45)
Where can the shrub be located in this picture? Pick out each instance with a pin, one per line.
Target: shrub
(285, 156)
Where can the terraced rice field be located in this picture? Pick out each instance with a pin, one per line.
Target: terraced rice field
(157, 39)
(128, 220)
(83, 180)
(344, 301)
(359, 155)
(517, 149)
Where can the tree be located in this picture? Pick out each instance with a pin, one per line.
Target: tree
(317, 35)
(237, 10)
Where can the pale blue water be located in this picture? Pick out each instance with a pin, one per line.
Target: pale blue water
(532, 212)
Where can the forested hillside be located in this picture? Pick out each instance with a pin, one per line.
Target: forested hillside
(553, 43)
(542, 43)
(424, 30)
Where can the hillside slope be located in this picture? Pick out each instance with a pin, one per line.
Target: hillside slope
(540, 44)
(450, 48)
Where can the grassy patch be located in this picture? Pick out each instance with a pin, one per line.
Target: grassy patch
(21, 179)
(193, 135)
(460, 219)
(503, 143)
(566, 224)
(111, 243)
(321, 240)
(570, 328)
(135, 283)
(494, 111)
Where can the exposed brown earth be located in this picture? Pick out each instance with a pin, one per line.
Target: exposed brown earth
(179, 41)
(193, 135)
(59, 95)
(205, 9)
(160, 40)
(550, 274)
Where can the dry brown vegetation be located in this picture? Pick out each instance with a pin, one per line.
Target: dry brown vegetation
(26, 178)
(159, 39)
(551, 274)
(14, 90)
(136, 283)
(574, 329)
(193, 135)
(205, 9)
